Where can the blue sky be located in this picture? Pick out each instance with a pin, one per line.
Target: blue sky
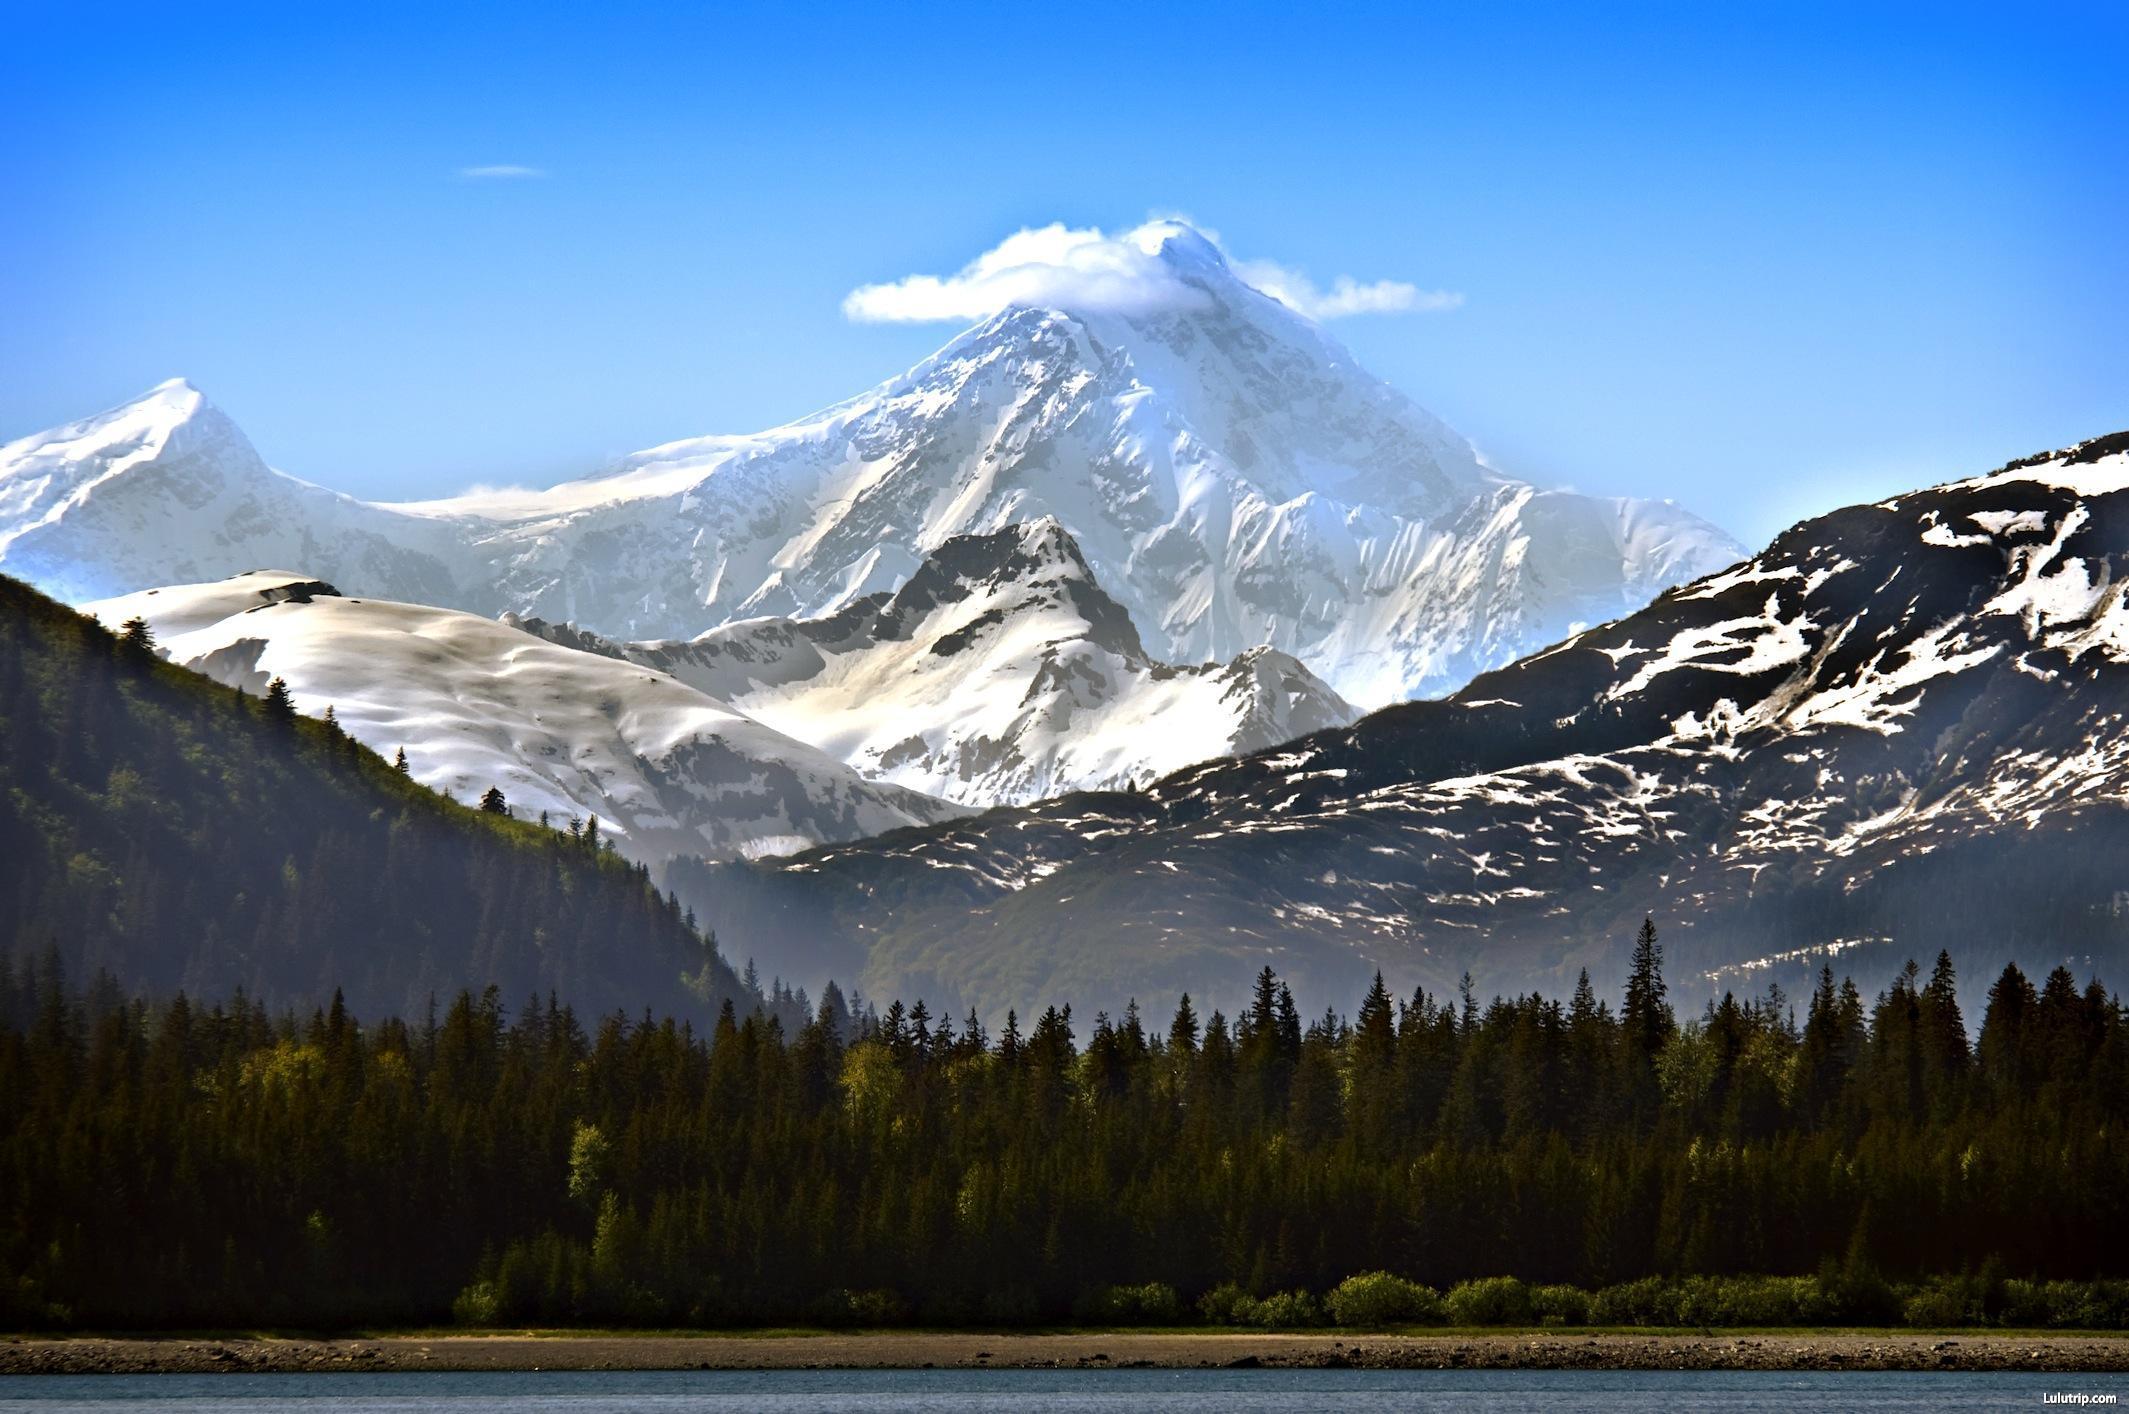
(1764, 260)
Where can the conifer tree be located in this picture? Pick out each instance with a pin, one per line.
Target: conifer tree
(1183, 1030)
(1820, 1069)
(280, 707)
(1647, 1012)
(492, 802)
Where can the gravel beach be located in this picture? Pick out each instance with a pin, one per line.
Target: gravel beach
(1551, 1350)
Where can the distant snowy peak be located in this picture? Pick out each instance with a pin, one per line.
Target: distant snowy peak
(1231, 477)
(166, 489)
(170, 433)
(1229, 474)
(998, 673)
(667, 769)
(1023, 570)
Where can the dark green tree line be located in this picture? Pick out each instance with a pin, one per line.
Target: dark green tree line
(180, 1163)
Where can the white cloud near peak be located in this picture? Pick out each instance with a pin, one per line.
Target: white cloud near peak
(501, 172)
(1057, 266)
(1051, 265)
(1346, 296)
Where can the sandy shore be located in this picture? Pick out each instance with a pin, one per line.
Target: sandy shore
(1554, 1350)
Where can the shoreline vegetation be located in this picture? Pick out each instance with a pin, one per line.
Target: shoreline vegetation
(1540, 1349)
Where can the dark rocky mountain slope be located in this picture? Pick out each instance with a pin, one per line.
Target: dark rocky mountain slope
(1898, 728)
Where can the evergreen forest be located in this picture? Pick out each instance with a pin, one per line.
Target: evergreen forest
(197, 1164)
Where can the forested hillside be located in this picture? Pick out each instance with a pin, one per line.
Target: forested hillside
(180, 1165)
(178, 834)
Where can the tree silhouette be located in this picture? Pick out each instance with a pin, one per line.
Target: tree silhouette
(280, 706)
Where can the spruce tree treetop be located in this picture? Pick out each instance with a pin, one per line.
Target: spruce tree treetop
(1647, 1013)
(280, 706)
(1183, 1030)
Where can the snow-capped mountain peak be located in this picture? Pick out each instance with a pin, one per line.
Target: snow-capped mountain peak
(1231, 477)
(166, 489)
(170, 428)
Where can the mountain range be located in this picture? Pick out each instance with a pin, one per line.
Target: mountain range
(1232, 478)
(1899, 728)
(1107, 652)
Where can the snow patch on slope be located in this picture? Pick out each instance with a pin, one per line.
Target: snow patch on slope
(477, 703)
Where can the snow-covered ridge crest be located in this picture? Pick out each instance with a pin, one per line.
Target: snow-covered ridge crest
(1231, 476)
(667, 769)
(999, 672)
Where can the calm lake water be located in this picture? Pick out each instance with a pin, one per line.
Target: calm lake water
(1225, 1391)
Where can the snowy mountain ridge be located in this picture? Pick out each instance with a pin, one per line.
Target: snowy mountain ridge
(167, 490)
(1232, 478)
(999, 672)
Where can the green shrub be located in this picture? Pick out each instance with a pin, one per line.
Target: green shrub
(2066, 1305)
(1493, 1301)
(1748, 1301)
(1284, 1310)
(1153, 1304)
(1634, 1303)
(476, 1305)
(1224, 1304)
(1946, 1301)
(1560, 1305)
(1855, 1294)
(2106, 1306)
(1383, 1299)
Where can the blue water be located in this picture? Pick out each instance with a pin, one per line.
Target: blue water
(878, 1391)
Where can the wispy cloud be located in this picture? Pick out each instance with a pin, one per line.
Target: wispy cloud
(1059, 267)
(501, 172)
(1346, 296)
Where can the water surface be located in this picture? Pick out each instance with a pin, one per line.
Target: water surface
(1020, 1391)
